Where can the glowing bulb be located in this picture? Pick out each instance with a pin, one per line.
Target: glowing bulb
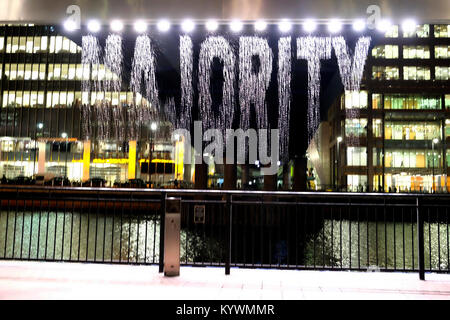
(359, 25)
(260, 25)
(188, 25)
(236, 25)
(309, 25)
(409, 25)
(163, 25)
(140, 26)
(334, 26)
(94, 26)
(70, 25)
(212, 25)
(116, 25)
(153, 126)
(285, 25)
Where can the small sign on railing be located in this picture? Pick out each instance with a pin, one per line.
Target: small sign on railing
(199, 214)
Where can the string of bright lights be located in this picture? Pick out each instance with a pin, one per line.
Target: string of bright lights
(284, 25)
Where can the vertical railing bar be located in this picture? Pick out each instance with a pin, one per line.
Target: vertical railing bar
(438, 237)
(15, 223)
(96, 226)
(6, 230)
(121, 231)
(359, 239)
(403, 236)
(161, 231)
(395, 239)
(31, 229)
(429, 236)
(129, 226)
(46, 232)
(350, 232)
(420, 241)
(340, 235)
(105, 210)
(88, 229)
(137, 235)
(385, 235)
(64, 230)
(23, 226)
(229, 208)
(112, 230)
(323, 238)
(71, 230)
(332, 210)
(56, 230)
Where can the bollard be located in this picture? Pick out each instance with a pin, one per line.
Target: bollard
(172, 237)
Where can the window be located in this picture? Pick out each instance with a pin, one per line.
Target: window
(412, 102)
(356, 183)
(442, 52)
(412, 158)
(377, 127)
(356, 100)
(416, 73)
(29, 45)
(447, 101)
(416, 52)
(392, 32)
(442, 73)
(2, 44)
(376, 101)
(385, 73)
(356, 156)
(355, 128)
(422, 31)
(385, 52)
(411, 131)
(442, 31)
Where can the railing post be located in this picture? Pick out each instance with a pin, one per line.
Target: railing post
(229, 217)
(162, 216)
(420, 242)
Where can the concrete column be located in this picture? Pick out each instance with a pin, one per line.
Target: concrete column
(299, 174)
(201, 176)
(286, 176)
(245, 175)
(86, 159)
(270, 182)
(41, 160)
(132, 145)
(229, 176)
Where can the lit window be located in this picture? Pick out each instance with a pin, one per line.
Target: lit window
(376, 101)
(2, 44)
(385, 52)
(392, 32)
(29, 45)
(64, 71)
(416, 52)
(442, 73)
(355, 128)
(356, 156)
(72, 71)
(27, 72)
(356, 100)
(442, 31)
(422, 31)
(418, 102)
(442, 52)
(385, 73)
(416, 73)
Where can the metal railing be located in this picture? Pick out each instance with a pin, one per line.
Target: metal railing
(287, 230)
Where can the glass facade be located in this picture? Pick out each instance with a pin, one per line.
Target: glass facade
(385, 73)
(416, 73)
(40, 129)
(385, 52)
(442, 31)
(412, 102)
(442, 73)
(416, 52)
(422, 31)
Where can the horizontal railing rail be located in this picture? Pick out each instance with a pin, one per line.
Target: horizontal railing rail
(252, 229)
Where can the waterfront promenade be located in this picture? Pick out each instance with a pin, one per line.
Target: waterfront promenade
(48, 280)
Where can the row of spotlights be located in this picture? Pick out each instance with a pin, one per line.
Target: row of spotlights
(309, 25)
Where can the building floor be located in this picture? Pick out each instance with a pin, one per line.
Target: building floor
(45, 280)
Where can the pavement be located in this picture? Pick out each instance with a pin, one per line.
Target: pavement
(59, 280)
